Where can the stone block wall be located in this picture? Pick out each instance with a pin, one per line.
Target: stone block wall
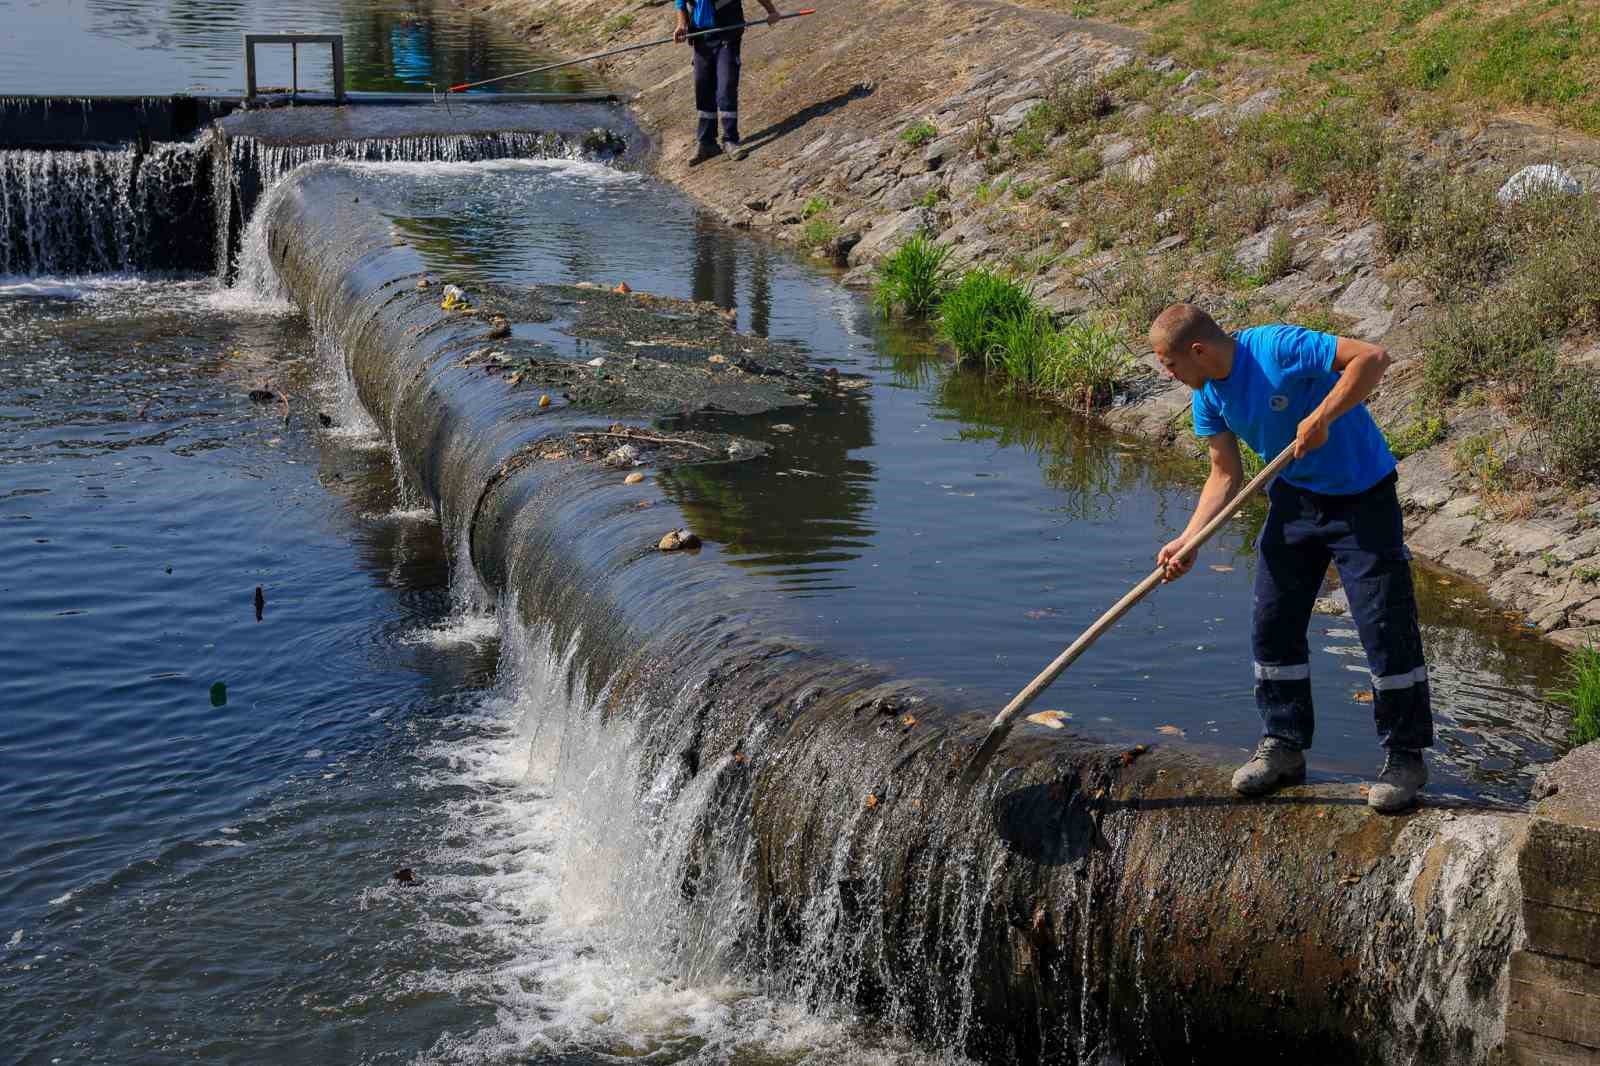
(1553, 999)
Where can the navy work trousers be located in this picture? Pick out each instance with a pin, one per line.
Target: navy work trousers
(716, 86)
(1362, 535)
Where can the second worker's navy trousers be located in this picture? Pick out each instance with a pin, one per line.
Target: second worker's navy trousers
(716, 86)
(1361, 534)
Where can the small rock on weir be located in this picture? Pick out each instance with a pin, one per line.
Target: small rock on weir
(679, 540)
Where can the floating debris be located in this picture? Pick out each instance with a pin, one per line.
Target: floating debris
(261, 603)
(405, 876)
(1170, 730)
(1050, 719)
(263, 395)
(544, 400)
(633, 478)
(678, 540)
(622, 287)
(219, 694)
(455, 299)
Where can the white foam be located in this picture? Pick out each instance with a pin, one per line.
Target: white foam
(401, 513)
(566, 884)
(16, 938)
(61, 900)
(477, 630)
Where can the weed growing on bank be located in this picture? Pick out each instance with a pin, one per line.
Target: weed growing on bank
(1517, 279)
(1582, 694)
(1422, 432)
(991, 320)
(1080, 362)
(919, 133)
(975, 308)
(914, 279)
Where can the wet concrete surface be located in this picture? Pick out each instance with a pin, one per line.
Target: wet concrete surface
(441, 117)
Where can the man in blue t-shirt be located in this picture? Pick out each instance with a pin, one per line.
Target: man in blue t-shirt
(1273, 386)
(716, 70)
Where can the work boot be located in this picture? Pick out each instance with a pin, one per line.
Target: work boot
(705, 150)
(1402, 777)
(1275, 764)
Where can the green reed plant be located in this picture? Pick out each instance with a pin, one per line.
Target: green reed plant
(1582, 694)
(914, 278)
(970, 312)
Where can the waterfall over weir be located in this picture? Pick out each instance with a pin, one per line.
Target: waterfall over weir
(182, 206)
(104, 210)
(796, 821)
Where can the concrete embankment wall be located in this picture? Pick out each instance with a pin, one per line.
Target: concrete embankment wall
(1078, 900)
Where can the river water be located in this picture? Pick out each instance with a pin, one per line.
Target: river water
(195, 872)
(157, 47)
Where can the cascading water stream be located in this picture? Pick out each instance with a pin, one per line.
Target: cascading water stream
(102, 210)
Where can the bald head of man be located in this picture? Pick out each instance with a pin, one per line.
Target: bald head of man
(1191, 346)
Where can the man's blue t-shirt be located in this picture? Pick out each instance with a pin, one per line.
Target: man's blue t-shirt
(1280, 374)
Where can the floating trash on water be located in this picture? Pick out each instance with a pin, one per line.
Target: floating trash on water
(1050, 719)
(678, 540)
(261, 602)
(1221, 569)
(782, 427)
(219, 694)
(598, 360)
(544, 400)
(423, 282)
(622, 287)
(455, 299)
(622, 455)
(405, 876)
(1170, 730)
(633, 478)
(263, 395)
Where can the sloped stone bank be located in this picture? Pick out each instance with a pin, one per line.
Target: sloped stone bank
(1081, 899)
(868, 123)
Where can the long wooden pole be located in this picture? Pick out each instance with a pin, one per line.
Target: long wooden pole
(628, 48)
(1000, 728)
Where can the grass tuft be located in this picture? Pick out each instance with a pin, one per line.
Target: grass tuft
(914, 278)
(919, 133)
(1582, 694)
(970, 312)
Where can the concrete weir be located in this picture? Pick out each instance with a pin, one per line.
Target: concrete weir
(1083, 904)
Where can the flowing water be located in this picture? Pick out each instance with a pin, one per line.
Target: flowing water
(210, 876)
(203, 806)
(155, 47)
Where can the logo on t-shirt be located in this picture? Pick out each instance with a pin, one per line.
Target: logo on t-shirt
(1279, 402)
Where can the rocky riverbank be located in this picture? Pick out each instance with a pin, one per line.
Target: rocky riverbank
(1114, 179)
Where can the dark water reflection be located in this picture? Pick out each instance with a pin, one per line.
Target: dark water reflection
(926, 520)
(150, 47)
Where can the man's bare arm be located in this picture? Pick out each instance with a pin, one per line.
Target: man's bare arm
(1360, 367)
(1224, 481)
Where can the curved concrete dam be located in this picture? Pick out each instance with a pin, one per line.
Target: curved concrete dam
(800, 814)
